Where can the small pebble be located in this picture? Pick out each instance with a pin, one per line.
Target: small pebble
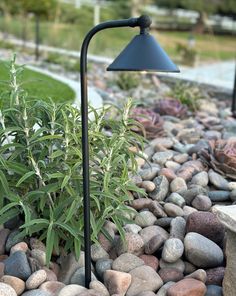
(36, 279)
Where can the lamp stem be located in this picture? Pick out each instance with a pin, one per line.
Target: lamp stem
(132, 22)
(233, 107)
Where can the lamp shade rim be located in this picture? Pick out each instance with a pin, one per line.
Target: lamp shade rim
(142, 70)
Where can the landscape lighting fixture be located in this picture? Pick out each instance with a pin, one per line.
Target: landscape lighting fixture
(143, 53)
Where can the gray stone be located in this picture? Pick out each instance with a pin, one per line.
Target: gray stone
(213, 290)
(157, 209)
(97, 252)
(173, 210)
(219, 195)
(226, 215)
(69, 266)
(173, 250)
(97, 286)
(40, 256)
(162, 157)
(179, 264)
(163, 290)
(232, 186)
(154, 244)
(149, 232)
(198, 274)
(134, 228)
(201, 251)
(176, 199)
(78, 277)
(172, 165)
(202, 203)
(178, 184)
(192, 192)
(71, 290)
(149, 174)
(178, 228)
(233, 195)
(102, 265)
(144, 278)
(161, 190)
(146, 293)
(17, 265)
(145, 218)
(218, 181)
(164, 142)
(164, 222)
(200, 179)
(188, 211)
(126, 262)
(12, 240)
(189, 267)
(36, 279)
(36, 292)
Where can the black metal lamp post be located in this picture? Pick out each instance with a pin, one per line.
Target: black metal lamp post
(233, 107)
(143, 53)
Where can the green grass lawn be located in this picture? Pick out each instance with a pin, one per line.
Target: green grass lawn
(38, 85)
(110, 42)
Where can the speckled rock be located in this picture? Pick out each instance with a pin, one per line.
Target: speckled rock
(17, 284)
(215, 276)
(207, 224)
(7, 290)
(117, 282)
(22, 246)
(40, 256)
(162, 157)
(201, 251)
(133, 228)
(144, 278)
(36, 279)
(133, 244)
(37, 244)
(126, 262)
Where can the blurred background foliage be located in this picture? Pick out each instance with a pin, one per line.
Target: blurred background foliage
(197, 27)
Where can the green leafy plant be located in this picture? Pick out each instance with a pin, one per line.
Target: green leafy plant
(127, 81)
(188, 54)
(188, 95)
(41, 169)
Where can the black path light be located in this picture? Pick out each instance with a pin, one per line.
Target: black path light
(143, 53)
(233, 107)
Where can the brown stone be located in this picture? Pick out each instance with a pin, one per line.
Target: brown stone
(3, 257)
(206, 224)
(187, 287)
(168, 173)
(133, 244)
(51, 276)
(17, 284)
(141, 203)
(22, 246)
(215, 276)
(170, 274)
(117, 282)
(199, 274)
(150, 260)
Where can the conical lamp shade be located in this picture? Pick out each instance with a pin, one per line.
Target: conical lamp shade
(143, 53)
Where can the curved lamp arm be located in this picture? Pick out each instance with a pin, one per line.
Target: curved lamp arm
(143, 22)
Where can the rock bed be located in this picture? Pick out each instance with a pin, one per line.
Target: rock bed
(175, 245)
